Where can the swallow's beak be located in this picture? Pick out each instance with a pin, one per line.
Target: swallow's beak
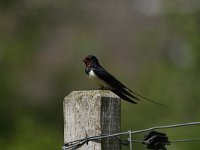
(85, 61)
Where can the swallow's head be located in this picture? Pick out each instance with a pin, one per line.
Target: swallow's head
(90, 60)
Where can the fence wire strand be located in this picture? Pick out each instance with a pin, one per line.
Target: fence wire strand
(78, 143)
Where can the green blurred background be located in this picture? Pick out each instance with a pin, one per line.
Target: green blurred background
(152, 46)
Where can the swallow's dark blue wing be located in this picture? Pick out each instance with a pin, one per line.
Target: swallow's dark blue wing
(118, 88)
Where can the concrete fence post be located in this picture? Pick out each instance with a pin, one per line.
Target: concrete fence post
(90, 113)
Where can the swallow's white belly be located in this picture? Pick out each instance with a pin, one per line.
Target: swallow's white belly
(95, 79)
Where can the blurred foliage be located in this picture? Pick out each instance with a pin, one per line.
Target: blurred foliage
(154, 50)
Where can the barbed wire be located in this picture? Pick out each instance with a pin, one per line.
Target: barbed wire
(78, 143)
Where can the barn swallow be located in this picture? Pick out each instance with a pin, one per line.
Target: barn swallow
(106, 81)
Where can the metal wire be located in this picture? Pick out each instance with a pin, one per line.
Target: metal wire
(165, 127)
(78, 143)
(185, 140)
(130, 139)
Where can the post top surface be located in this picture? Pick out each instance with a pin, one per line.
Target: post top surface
(102, 93)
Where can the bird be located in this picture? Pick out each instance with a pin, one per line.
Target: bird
(107, 81)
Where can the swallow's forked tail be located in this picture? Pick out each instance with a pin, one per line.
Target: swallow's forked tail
(147, 99)
(127, 95)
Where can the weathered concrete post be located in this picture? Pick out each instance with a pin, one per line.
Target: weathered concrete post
(90, 113)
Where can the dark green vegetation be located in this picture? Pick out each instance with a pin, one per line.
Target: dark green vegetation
(154, 50)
